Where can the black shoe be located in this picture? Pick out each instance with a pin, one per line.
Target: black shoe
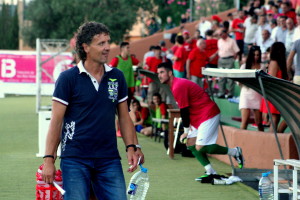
(221, 96)
(229, 96)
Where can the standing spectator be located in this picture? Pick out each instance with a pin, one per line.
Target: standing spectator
(183, 19)
(239, 29)
(276, 68)
(211, 48)
(274, 28)
(282, 30)
(275, 10)
(196, 60)
(228, 50)
(297, 29)
(151, 65)
(179, 58)
(203, 26)
(187, 41)
(169, 25)
(153, 26)
(251, 29)
(264, 42)
(149, 53)
(125, 62)
(256, 5)
(295, 50)
(83, 120)
(289, 35)
(200, 119)
(250, 99)
(262, 25)
(286, 11)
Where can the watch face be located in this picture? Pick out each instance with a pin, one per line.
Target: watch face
(138, 146)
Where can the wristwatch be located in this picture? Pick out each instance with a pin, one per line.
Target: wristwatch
(138, 146)
(131, 145)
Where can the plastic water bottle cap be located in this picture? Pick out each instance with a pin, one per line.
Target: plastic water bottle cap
(145, 170)
(266, 174)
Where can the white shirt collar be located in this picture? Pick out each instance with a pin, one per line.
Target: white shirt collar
(82, 69)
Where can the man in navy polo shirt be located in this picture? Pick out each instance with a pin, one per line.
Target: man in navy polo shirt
(85, 101)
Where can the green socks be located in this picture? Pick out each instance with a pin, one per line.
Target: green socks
(201, 155)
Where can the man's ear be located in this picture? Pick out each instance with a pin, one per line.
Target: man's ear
(86, 47)
(170, 73)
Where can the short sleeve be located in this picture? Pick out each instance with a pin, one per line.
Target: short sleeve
(114, 62)
(163, 108)
(63, 89)
(145, 113)
(122, 88)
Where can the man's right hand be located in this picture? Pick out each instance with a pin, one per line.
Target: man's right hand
(49, 170)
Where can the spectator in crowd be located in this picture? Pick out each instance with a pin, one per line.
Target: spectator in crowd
(286, 11)
(153, 26)
(203, 26)
(151, 65)
(196, 60)
(276, 68)
(187, 41)
(228, 50)
(274, 28)
(183, 19)
(239, 29)
(140, 117)
(125, 62)
(162, 45)
(282, 30)
(262, 25)
(264, 42)
(294, 51)
(289, 35)
(275, 10)
(193, 40)
(211, 49)
(149, 53)
(250, 99)
(251, 27)
(297, 29)
(169, 25)
(83, 120)
(254, 6)
(180, 58)
(230, 18)
(200, 119)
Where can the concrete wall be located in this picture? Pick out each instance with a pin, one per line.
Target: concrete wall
(259, 148)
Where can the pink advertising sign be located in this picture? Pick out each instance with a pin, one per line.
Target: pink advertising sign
(20, 67)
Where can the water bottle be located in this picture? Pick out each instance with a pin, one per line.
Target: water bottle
(265, 187)
(139, 184)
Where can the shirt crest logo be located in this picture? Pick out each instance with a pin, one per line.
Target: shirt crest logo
(113, 89)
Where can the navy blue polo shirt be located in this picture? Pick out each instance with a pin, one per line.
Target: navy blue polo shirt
(89, 123)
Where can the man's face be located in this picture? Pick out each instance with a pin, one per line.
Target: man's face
(265, 35)
(98, 49)
(157, 53)
(163, 75)
(282, 22)
(126, 50)
(284, 8)
(156, 100)
(290, 24)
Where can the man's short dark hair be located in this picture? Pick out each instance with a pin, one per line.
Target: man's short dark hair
(229, 14)
(151, 47)
(179, 39)
(85, 34)
(157, 48)
(123, 44)
(209, 32)
(167, 65)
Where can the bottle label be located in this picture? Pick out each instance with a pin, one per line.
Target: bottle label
(133, 189)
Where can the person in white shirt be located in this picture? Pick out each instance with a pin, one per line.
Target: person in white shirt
(251, 27)
(262, 25)
(264, 42)
(297, 29)
(203, 26)
(274, 27)
(289, 35)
